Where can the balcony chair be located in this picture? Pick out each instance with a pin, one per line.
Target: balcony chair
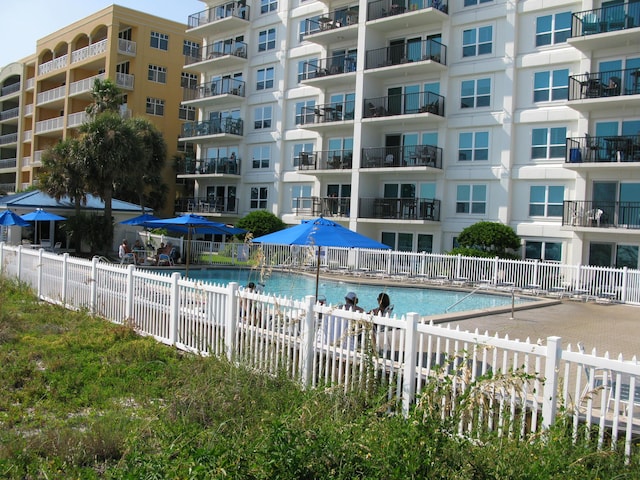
(590, 24)
(594, 216)
(593, 149)
(613, 87)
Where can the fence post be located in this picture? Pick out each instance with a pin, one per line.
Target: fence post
(19, 261)
(496, 266)
(458, 260)
(128, 313)
(65, 276)
(93, 291)
(409, 369)
(230, 319)
(625, 279)
(550, 390)
(306, 341)
(536, 266)
(174, 308)
(39, 275)
(1, 256)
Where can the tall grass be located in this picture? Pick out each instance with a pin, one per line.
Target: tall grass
(83, 398)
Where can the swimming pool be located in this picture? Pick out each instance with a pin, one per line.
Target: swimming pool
(424, 301)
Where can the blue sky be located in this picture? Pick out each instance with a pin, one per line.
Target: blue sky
(25, 21)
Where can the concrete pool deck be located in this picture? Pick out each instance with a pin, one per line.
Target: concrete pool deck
(607, 327)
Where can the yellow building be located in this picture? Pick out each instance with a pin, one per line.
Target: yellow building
(43, 97)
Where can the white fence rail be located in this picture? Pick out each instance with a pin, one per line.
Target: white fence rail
(321, 345)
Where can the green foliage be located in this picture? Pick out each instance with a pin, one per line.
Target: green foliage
(84, 398)
(493, 238)
(261, 222)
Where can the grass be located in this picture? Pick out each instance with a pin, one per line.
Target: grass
(84, 398)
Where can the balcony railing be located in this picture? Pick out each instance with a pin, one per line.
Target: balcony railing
(612, 83)
(404, 104)
(9, 113)
(8, 163)
(8, 138)
(85, 85)
(400, 208)
(601, 214)
(127, 46)
(407, 53)
(222, 86)
(238, 9)
(607, 19)
(7, 187)
(325, 206)
(55, 64)
(9, 89)
(402, 156)
(388, 8)
(327, 113)
(615, 148)
(211, 204)
(51, 95)
(217, 50)
(213, 127)
(211, 166)
(331, 21)
(325, 160)
(125, 80)
(77, 119)
(49, 125)
(89, 51)
(329, 66)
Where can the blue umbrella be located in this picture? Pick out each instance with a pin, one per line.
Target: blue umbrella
(140, 220)
(10, 219)
(40, 215)
(320, 232)
(192, 224)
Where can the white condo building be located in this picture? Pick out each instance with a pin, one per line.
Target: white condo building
(409, 120)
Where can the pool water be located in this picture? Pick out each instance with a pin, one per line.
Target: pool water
(424, 301)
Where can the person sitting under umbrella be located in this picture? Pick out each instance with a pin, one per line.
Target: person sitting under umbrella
(125, 254)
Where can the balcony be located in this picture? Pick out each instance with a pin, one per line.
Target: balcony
(54, 95)
(224, 126)
(325, 206)
(124, 80)
(53, 65)
(402, 157)
(127, 47)
(406, 108)
(8, 187)
(324, 160)
(10, 89)
(340, 24)
(389, 15)
(221, 54)
(9, 114)
(8, 163)
(612, 89)
(210, 166)
(89, 51)
(76, 119)
(84, 86)
(400, 208)
(8, 138)
(223, 90)
(49, 126)
(413, 58)
(602, 28)
(221, 18)
(327, 115)
(602, 150)
(597, 214)
(330, 71)
(212, 204)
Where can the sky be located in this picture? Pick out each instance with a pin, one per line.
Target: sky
(25, 21)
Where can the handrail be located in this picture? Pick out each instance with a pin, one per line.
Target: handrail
(446, 310)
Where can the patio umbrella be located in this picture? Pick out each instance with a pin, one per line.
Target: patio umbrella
(40, 215)
(10, 219)
(320, 232)
(139, 220)
(192, 224)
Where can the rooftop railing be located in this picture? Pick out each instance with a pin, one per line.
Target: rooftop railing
(429, 49)
(404, 104)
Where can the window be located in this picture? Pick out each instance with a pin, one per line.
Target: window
(549, 251)
(267, 40)
(475, 93)
(259, 197)
(550, 86)
(159, 41)
(301, 197)
(471, 199)
(553, 29)
(305, 112)
(155, 106)
(187, 113)
(262, 117)
(261, 155)
(425, 243)
(265, 78)
(548, 142)
(307, 69)
(267, 6)
(477, 41)
(157, 74)
(188, 80)
(470, 3)
(298, 149)
(545, 201)
(473, 146)
(307, 26)
(191, 49)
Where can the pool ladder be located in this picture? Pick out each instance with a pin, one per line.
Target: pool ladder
(446, 310)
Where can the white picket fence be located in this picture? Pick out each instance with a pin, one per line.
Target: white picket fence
(518, 386)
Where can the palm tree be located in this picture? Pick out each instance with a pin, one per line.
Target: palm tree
(106, 97)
